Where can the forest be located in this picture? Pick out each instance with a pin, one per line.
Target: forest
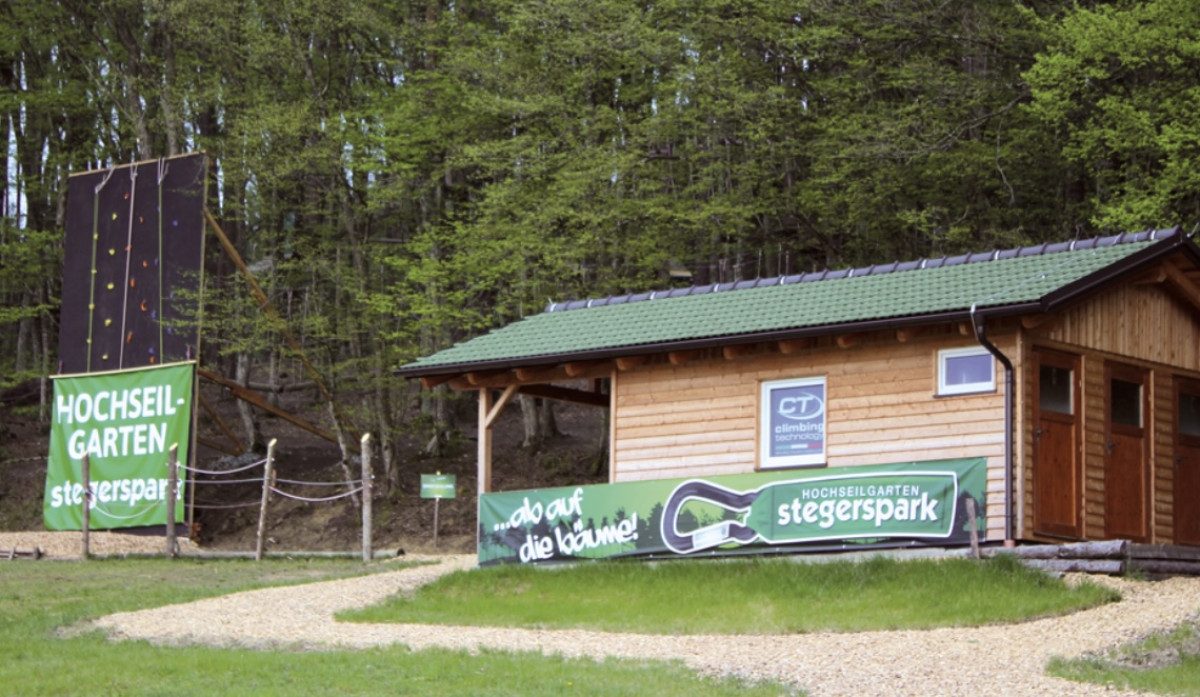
(404, 174)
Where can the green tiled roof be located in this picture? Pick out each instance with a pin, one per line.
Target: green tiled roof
(1014, 278)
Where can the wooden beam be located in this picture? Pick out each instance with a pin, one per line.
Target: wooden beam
(486, 378)
(630, 362)
(1183, 285)
(909, 333)
(739, 350)
(431, 381)
(790, 346)
(483, 459)
(591, 369)
(965, 329)
(681, 357)
(218, 446)
(563, 394)
(1034, 321)
(225, 429)
(278, 323)
(1151, 277)
(848, 340)
(252, 397)
(540, 373)
(505, 398)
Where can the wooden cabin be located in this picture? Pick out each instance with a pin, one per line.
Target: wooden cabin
(1073, 369)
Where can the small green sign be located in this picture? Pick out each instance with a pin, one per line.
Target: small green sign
(437, 486)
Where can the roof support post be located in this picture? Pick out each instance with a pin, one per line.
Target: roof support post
(1009, 383)
(487, 416)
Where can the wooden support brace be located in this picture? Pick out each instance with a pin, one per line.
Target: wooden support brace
(482, 378)
(252, 397)
(540, 373)
(849, 340)
(908, 334)
(681, 357)
(273, 316)
(739, 350)
(238, 448)
(630, 362)
(431, 381)
(505, 398)
(563, 394)
(1183, 285)
(790, 346)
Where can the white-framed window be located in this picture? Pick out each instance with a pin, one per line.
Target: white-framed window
(965, 370)
(792, 422)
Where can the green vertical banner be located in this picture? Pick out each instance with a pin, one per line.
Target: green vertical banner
(911, 504)
(126, 422)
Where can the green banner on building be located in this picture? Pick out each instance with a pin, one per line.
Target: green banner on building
(126, 422)
(918, 503)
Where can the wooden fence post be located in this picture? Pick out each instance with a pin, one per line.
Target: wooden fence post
(972, 523)
(86, 473)
(268, 471)
(172, 492)
(367, 552)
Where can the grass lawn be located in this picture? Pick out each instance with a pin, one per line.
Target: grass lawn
(1165, 663)
(37, 598)
(742, 596)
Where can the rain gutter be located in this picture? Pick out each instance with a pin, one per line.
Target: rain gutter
(977, 323)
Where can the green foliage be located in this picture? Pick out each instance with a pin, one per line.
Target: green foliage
(754, 596)
(1117, 84)
(406, 174)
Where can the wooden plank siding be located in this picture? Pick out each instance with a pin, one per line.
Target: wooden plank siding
(1136, 324)
(701, 418)
(1162, 457)
(1141, 322)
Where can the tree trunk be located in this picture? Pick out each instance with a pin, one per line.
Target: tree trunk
(250, 425)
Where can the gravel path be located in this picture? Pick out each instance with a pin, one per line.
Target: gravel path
(996, 660)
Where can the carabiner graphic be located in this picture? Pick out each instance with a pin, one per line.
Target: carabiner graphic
(713, 535)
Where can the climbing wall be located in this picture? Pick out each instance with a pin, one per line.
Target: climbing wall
(132, 265)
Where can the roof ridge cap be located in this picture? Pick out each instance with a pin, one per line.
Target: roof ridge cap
(918, 264)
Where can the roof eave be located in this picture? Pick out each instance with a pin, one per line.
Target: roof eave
(1120, 270)
(713, 341)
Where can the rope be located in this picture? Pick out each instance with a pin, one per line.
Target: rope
(162, 173)
(321, 500)
(197, 482)
(95, 244)
(128, 260)
(215, 506)
(218, 473)
(293, 481)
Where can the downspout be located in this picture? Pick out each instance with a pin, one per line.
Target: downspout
(1009, 384)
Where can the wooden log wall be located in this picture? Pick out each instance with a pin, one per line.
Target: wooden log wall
(1139, 323)
(700, 417)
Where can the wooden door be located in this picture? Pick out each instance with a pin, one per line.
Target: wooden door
(1057, 477)
(1126, 475)
(1187, 462)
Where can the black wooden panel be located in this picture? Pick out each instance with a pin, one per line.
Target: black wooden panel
(133, 252)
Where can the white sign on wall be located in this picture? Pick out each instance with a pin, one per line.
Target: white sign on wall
(792, 417)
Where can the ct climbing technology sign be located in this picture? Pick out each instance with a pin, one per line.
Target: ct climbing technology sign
(792, 414)
(438, 486)
(126, 422)
(911, 504)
